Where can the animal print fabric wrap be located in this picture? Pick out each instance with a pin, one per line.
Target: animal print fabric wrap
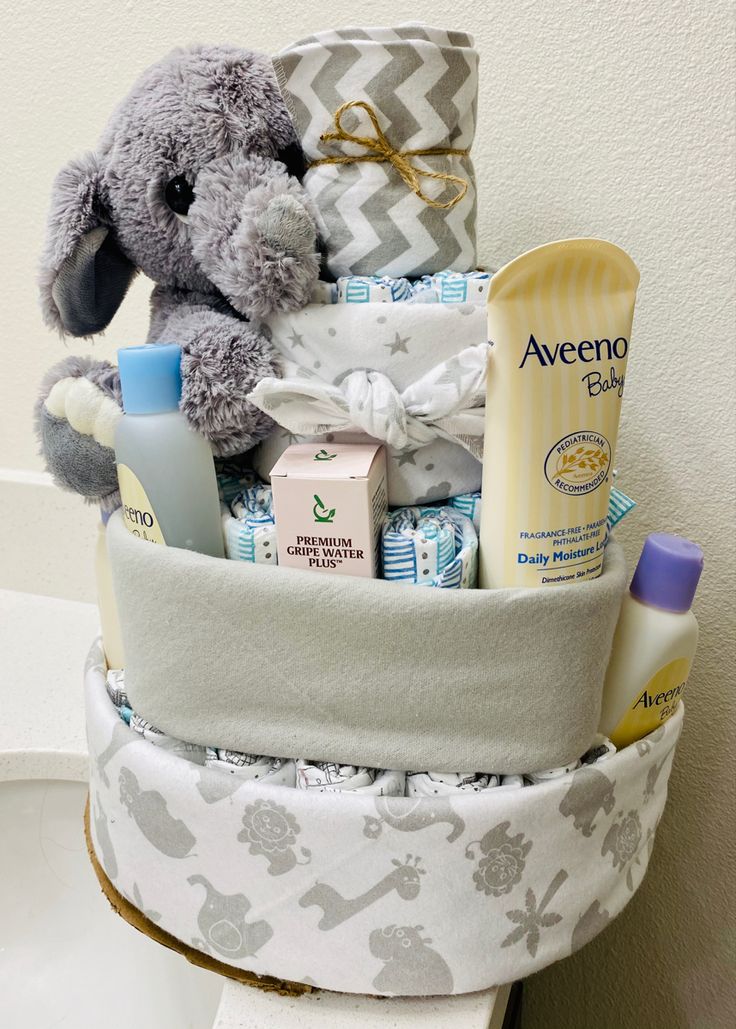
(396, 896)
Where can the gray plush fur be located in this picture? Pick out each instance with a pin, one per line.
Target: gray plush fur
(248, 217)
(77, 462)
(246, 247)
(80, 463)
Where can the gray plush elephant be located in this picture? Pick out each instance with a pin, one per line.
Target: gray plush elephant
(195, 183)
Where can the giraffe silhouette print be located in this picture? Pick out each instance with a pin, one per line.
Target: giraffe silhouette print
(404, 878)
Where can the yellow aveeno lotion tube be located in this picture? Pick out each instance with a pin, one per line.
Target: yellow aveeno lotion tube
(559, 323)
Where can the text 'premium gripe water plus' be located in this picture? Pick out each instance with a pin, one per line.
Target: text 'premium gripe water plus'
(559, 322)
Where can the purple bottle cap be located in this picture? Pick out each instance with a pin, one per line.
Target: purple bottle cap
(668, 572)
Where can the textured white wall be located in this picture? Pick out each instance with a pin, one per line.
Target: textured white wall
(596, 118)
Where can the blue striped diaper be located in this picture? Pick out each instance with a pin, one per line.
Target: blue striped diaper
(445, 287)
(458, 287)
(619, 506)
(372, 289)
(469, 504)
(430, 546)
(249, 528)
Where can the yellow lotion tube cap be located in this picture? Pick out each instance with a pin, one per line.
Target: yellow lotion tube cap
(559, 321)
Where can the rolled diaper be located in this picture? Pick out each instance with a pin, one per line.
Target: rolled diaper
(446, 287)
(115, 687)
(189, 751)
(533, 778)
(442, 784)
(512, 782)
(372, 289)
(601, 749)
(277, 771)
(430, 546)
(249, 528)
(468, 504)
(450, 287)
(387, 135)
(327, 777)
(233, 479)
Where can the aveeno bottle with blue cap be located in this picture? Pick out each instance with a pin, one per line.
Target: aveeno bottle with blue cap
(165, 469)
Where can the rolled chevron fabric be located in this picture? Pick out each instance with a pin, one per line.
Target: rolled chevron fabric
(394, 183)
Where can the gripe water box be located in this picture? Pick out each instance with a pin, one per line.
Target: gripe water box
(329, 505)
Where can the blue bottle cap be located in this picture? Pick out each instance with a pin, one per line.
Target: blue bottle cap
(150, 378)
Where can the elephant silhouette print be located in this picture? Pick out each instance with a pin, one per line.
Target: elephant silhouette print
(404, 878)
(411, 965)
(221, 921)
(401, 814)
(590, 791)
(168, 834)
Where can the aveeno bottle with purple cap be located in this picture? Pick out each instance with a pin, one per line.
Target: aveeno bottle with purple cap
(655, 640)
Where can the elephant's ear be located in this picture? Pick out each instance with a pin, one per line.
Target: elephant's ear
(84, 274)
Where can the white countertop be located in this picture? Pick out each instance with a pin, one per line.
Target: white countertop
(43, 646)
(242, 1007)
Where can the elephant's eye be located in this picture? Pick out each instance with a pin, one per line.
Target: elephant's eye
(179, 195)
(292, 157)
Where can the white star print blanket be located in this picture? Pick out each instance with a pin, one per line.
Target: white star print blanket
(411, 376)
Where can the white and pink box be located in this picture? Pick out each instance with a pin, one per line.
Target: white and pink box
(329, 505)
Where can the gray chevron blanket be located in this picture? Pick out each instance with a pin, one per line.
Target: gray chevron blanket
(391, 206)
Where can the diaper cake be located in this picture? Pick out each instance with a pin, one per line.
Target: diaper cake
(401, 564)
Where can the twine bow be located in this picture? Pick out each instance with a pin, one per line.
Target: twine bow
(381, 151)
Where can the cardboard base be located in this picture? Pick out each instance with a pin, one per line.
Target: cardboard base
(138, 920)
